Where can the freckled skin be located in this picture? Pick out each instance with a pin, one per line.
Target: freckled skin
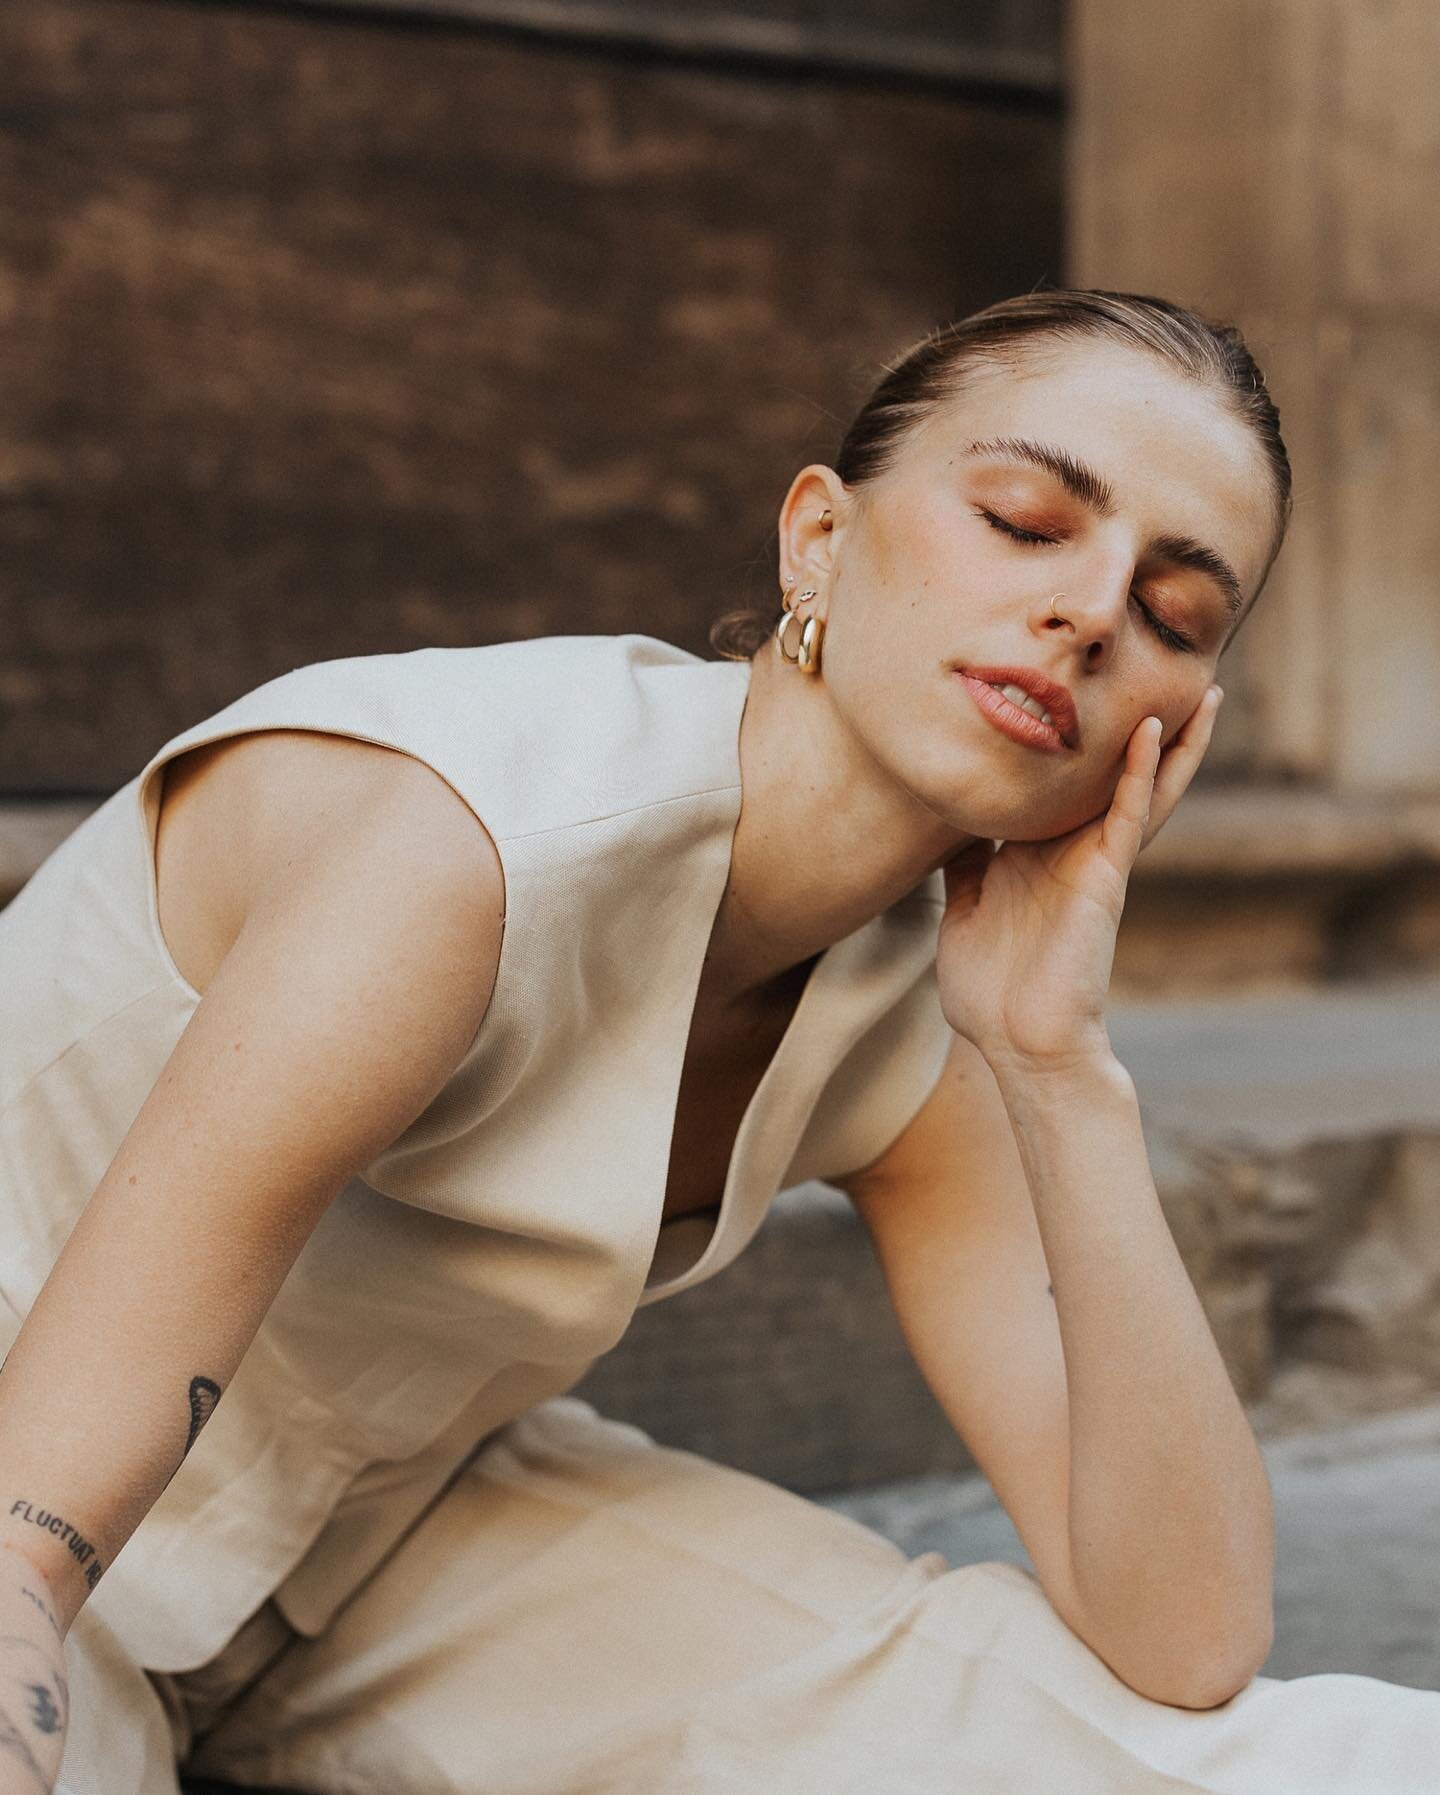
(922, 581)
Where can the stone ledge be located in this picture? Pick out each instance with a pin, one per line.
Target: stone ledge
(1268, 832)
(1260, 888)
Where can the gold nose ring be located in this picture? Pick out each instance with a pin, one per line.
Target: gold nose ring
(1053, 612)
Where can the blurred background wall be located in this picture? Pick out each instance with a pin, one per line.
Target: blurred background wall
(335, 330)
(332, 330)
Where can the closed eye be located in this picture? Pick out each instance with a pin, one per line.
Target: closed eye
(1014, 531)
(1170, 637)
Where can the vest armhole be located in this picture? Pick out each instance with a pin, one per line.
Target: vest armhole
(148, 805)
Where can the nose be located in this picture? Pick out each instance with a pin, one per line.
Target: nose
(1090, 613)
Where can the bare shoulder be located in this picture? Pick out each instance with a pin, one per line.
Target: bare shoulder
(253, 816)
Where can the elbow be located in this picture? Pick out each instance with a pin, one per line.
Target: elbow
(1188, 1659)
(1210, 1690)
(1209, 1679)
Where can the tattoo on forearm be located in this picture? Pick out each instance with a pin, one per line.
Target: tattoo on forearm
(204, 1394)
(44, 1607)
(78, 1546)
(42, 1707)
(44, 1711)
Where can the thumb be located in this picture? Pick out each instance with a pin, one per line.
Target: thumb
(965, 874)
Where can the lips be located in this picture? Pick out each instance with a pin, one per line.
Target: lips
(1060, 733)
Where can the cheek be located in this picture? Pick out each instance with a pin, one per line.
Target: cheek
(1179, 705)
(903, 551)
(1168, 692)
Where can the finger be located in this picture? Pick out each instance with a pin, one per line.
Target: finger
(1181, 760)
(965, 874)
(1123, 829)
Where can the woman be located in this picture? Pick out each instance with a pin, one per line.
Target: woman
(401, 1028)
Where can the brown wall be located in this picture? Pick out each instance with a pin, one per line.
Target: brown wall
(327, 334)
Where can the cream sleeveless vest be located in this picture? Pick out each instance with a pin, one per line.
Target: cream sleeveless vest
(498, 1246)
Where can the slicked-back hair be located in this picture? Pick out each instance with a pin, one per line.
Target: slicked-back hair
(932, 372)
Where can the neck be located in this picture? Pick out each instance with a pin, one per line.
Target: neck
(826, 839)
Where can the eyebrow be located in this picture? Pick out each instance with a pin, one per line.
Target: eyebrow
(1078, 479)
(1095, 492)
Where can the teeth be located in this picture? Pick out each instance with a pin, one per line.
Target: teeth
(1019, 696)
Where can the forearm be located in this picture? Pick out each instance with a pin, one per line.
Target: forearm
(34, 1695)
(1170, 1512)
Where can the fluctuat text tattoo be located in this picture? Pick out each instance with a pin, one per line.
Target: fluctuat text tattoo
(78, 1546)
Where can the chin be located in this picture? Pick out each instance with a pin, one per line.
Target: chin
(1027, 828)
(1005, 811)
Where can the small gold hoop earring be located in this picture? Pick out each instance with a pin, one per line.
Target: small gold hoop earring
(827, 519)
(781, 633)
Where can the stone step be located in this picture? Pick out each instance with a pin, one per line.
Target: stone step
(1296, 1147)
(1261, 887)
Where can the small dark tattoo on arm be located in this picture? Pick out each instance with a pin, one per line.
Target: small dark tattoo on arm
(43, 1710)
(44, 1607)
(204, 1394)
(76, 1544)
(34, 1700)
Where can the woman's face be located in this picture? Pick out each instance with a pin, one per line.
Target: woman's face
(1091, 472)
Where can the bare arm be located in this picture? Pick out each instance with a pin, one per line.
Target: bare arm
(360, 971)
(1105, 1418)
(1042, 1295)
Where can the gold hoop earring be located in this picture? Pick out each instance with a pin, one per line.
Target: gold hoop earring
(827, 519)
(808, 659)
(806, 654)
(782, 630)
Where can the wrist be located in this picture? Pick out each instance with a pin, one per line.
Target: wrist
(1078, 1051)
(1088, 1070)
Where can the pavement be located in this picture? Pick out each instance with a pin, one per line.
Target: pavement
(1357, 1543)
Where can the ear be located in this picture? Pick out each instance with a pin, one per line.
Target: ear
(807, 547)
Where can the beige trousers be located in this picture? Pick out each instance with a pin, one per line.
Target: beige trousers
(583, 1611)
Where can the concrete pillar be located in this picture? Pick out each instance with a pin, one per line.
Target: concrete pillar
(1278, 162)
